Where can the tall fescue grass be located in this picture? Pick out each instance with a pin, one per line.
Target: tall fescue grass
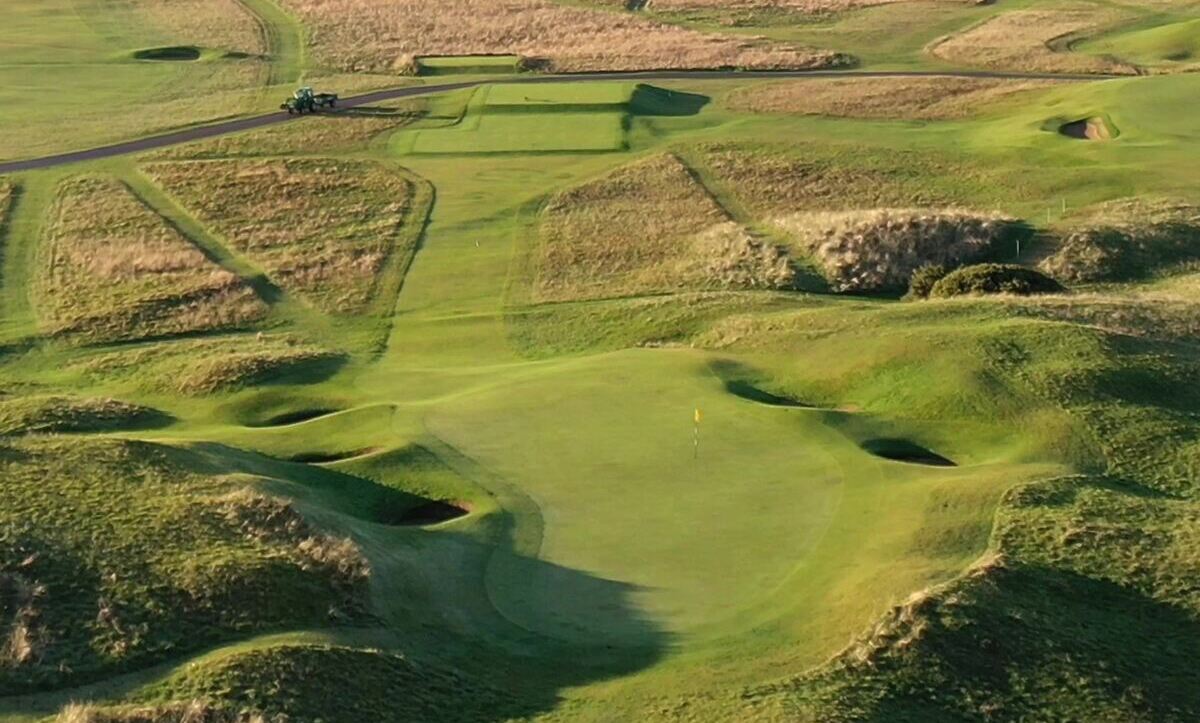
(916, 98)
(204, 366)
(880, 249)
(382, 34)
(649, 227)
(110, 268)
(322, 228)
(1126, 240)
(1035, 40)
(116, 554)
(225, 24)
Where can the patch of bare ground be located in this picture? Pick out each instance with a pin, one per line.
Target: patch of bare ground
(645, 228)
(890, 98)
(880, 249)
(389, 34)
(112, 269)
(1035, 40)
(322, 228)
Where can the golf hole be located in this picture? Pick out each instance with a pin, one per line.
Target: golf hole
(902, 450)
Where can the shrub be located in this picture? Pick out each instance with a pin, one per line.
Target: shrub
(994, 279)
(879, 250)
(1127, 240)
(923, 280)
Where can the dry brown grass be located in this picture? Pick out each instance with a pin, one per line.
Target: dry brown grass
(773, 181)
(206, 23)
(273, 521)
(319, 227)
(202, 366)
(899, 98)
(648, 227)
(383, 34)
(110, 268)
(880, 249)
(196, 711)
(21, 602)
(1034, 40)
(1126, 239)
(323, 134)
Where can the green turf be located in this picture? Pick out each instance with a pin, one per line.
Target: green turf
(609, 568)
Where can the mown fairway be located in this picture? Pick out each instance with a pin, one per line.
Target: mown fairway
(603, 400)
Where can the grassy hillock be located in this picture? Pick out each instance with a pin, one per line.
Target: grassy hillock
(41, 414)
(117, 554)
(1127, 240)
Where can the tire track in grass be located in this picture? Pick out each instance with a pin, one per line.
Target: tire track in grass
(20, 236)
(284, 38)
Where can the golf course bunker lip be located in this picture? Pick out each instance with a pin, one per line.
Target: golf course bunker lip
(297, 416)
(749, 392)
(327, 457)
(170, 53)
(1095, 128)
(903, 450)
(433, 512)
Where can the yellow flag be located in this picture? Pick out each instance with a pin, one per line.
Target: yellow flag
(698, 415)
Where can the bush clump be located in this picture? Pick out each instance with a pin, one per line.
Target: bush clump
(879, 250)
(994, 279)
(923, 280)
(1127, 240)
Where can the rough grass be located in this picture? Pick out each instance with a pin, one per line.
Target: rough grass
(195, 711)
(207, 366)
(137, 551)
(880, 249)
(324, 133)
(226, 24)
(57, 414)
(993, 279)
(110, 268)
(332, 684)
(380, 34)
(647, 227)
(1126, 239)
(321, 228)
(1084, 569)
(1034, 40)
(774, 180)
(899, 98)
